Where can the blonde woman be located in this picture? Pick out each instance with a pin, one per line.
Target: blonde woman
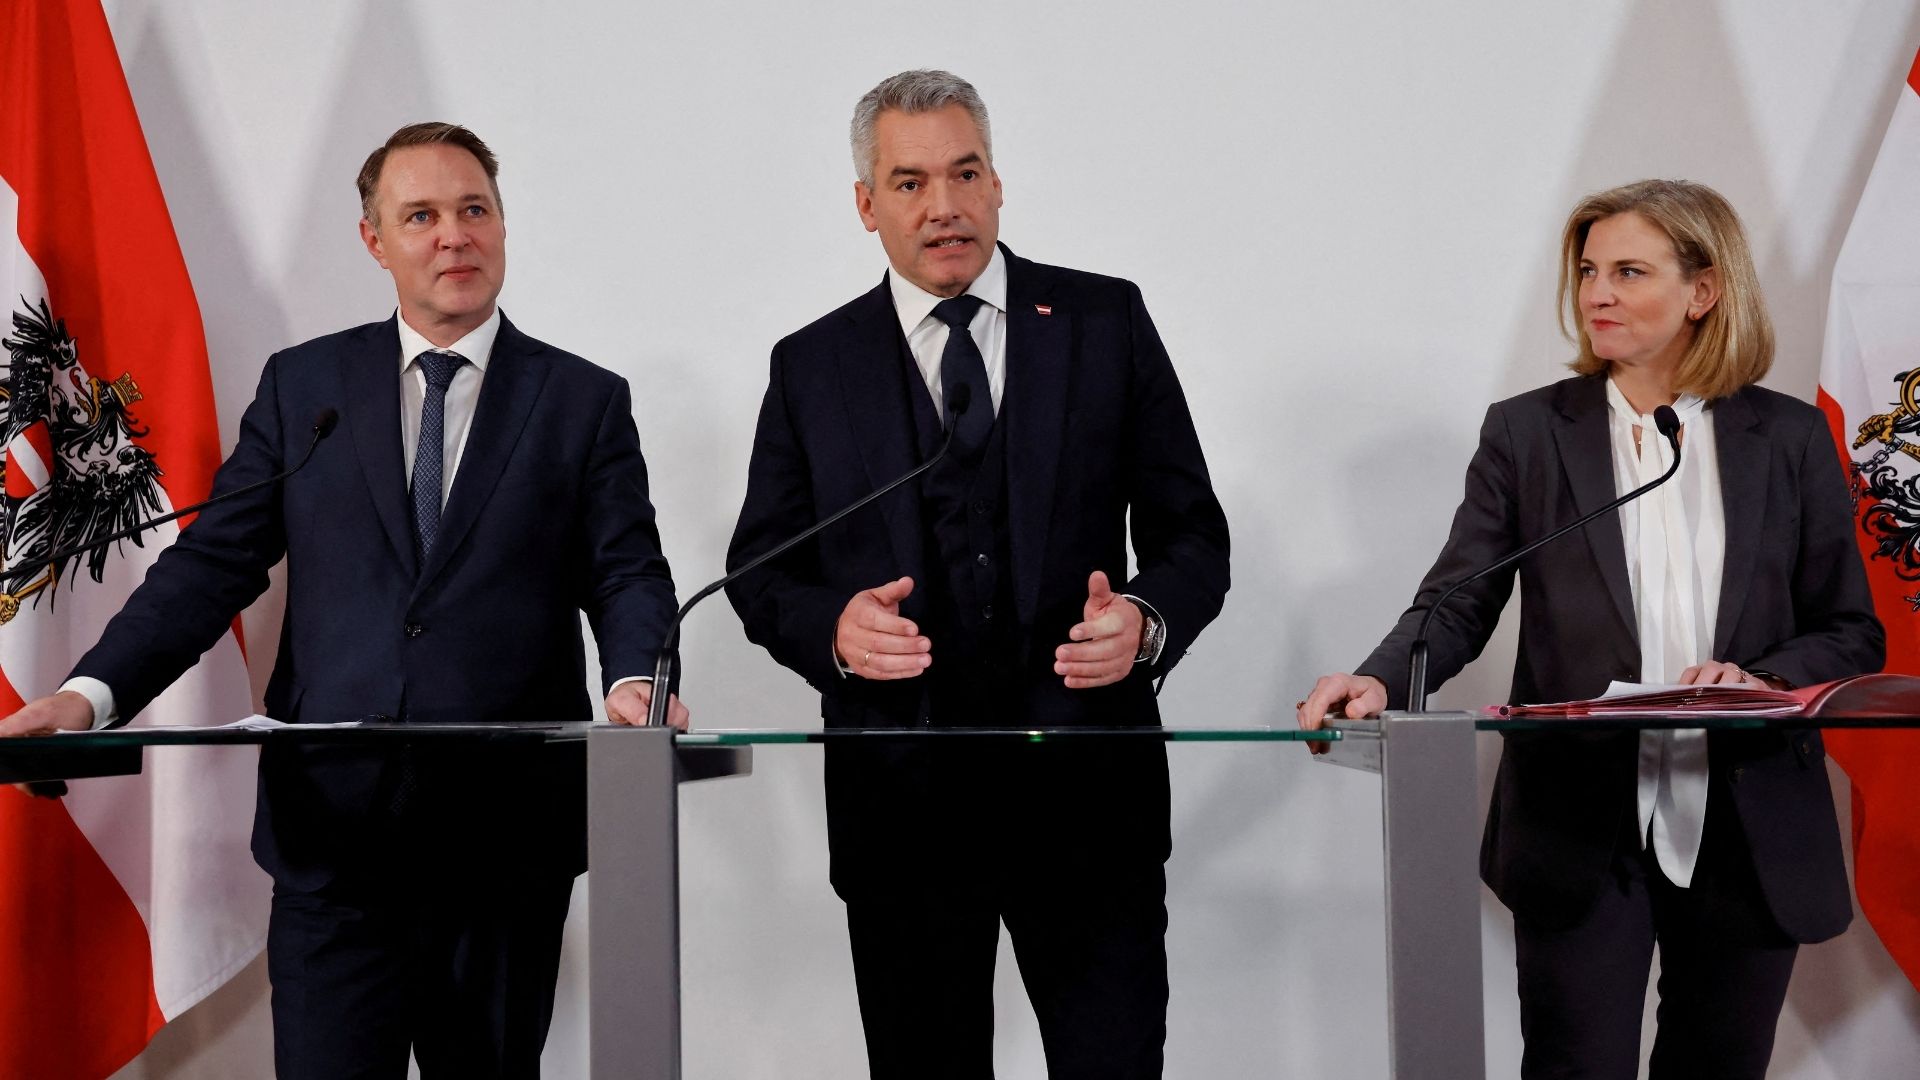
(1721, 849)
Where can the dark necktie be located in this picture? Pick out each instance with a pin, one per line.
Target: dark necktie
(428, 467)
(960, 364)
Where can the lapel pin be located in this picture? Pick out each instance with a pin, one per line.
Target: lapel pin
(1044, 309)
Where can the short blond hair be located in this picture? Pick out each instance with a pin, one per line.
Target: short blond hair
(1733, 342)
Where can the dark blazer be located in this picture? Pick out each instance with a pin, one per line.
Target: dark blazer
(1793, 601)
(1096, 429)
(548, 517)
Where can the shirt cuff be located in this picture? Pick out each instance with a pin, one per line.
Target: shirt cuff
(618, 683)
(1159, 646)
(839, 665)
(99, 694)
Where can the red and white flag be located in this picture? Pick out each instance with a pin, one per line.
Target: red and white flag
(1870, 391)
(133, 898)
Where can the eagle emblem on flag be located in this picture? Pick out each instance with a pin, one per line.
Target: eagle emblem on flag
(73, 469)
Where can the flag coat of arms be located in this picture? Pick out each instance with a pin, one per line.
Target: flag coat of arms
(1870, 392)
(134, 897)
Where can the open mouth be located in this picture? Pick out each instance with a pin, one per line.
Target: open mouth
(949, 242)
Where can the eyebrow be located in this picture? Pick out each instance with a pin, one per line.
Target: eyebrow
(427, 204)
(968, 159)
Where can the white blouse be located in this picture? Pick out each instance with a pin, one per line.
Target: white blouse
(1676, 545)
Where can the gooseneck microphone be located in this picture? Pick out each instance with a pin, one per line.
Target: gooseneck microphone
(1668, 422)
(957, 403)
(324, 422)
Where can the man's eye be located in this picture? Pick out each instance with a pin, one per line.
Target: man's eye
(968, 174)
(418, 217)
(910, 185)
(476, 210)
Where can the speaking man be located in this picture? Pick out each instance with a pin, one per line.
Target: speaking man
(484, 489)
(993, 592)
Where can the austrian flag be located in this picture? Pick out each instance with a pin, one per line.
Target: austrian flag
(134, 897)
(1870, 391)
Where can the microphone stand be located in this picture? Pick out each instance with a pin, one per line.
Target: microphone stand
(669, 657)
(1668, 422)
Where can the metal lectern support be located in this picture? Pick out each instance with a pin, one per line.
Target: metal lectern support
(633, 894)
(1430, 814)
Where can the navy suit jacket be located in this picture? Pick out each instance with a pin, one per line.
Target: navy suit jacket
(548, 517)
(1098, 440)
(1793, 601)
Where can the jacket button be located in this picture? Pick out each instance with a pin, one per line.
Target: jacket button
(1736, 774)
(982, 560)
(987, 612)
(414, 629)
(980, 506)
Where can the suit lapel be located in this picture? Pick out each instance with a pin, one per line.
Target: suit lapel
(372, 377)
(873, 384)
(1586, 456)
(1741, 443)
(513, 381)
(1040, 363)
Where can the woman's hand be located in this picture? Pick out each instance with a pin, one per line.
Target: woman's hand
(1717, 673)
(1352, 696)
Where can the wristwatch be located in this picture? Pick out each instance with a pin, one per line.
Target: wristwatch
(1153, 634)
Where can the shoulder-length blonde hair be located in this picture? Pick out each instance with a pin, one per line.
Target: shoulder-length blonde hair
(1733, 342)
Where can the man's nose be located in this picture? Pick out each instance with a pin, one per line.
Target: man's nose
(941, 205)
(452, 233)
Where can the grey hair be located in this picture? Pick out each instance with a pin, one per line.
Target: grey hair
(911, 92)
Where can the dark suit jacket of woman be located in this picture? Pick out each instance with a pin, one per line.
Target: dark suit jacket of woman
(1793, 601)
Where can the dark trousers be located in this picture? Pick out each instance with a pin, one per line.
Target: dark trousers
(1724, 967)
(464, 977)
(1093, 958)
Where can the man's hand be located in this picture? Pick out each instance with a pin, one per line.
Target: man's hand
(874, 642)
(1105, 642)
(65, 711)
(1352, 696)
(629, 702)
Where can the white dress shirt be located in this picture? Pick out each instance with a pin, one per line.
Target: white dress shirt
(927, 336)
(1676, 545)
(463, 394)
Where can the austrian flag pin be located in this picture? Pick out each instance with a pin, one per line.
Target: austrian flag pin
(1044, 309)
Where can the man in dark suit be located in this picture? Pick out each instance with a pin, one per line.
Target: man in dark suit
(484, 490)
(992, 593)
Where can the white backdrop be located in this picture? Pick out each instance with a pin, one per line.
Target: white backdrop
(1344, 218)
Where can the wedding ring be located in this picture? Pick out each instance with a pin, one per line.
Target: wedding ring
(864, 659)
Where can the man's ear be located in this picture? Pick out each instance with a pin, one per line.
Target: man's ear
(863, 205)
(370, 236)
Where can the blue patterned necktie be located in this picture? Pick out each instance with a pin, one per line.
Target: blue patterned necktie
(960, 363)
(428, 466)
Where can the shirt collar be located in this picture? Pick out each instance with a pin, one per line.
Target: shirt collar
(913, 304)
(1687, 407)
(476, 346)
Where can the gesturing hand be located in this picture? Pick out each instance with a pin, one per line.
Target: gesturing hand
(874, 642)
(1105, 641)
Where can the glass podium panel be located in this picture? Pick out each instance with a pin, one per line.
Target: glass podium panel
(1430, 894)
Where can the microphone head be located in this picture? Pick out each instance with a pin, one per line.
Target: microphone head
(958, 400)
(324, 422)
(1667, 421)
